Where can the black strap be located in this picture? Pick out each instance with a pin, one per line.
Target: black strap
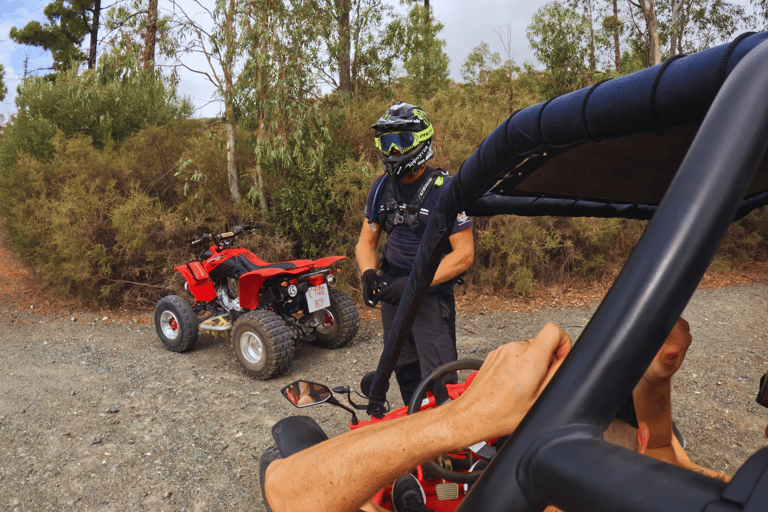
(394, 214)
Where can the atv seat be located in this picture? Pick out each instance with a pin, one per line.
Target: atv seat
(253, 262)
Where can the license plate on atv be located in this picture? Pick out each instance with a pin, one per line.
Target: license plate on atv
(318, 298)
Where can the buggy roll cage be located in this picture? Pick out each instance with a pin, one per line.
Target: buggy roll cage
(683, 144)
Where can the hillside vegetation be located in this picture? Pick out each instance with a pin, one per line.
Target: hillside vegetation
(107, 177)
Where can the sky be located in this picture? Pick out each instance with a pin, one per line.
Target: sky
(467, 24)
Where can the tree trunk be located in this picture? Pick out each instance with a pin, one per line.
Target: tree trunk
(592, 57)
(652, 29)
(94, 34)
(616, 44)
(150, 35)
(229, 111)
(234, 182)
(675, 28)
(262, 44)
(345, 77)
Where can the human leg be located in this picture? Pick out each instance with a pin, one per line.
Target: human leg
(434, 333)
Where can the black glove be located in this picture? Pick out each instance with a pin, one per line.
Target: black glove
(372, 283)
(392, 292)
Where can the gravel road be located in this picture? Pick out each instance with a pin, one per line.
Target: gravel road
(96, 415)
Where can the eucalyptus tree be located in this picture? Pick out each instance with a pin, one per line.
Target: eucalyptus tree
(559, 37)
(479, 64)
(424, 57)
(685, 26)
(210, 37)
(360, 49)
(3, 88)
(139, 28)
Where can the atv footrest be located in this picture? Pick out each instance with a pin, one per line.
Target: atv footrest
(216, 323)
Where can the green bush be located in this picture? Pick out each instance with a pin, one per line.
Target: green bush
(104, 210)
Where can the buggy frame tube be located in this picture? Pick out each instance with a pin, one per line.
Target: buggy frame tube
(637, 314)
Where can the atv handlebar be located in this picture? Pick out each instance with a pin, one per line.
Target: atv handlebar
(221, 237)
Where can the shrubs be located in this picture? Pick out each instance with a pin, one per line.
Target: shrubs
(106, 215)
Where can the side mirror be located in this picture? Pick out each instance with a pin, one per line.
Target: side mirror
(762, 395)
(304, 394)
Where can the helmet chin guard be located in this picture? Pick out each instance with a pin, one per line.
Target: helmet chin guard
(400, 166)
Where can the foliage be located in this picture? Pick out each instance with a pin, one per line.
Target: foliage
(746, 239)
(559, 38)
(3, 87)
(358, 41)
(519, 252)
(479, 64)
(127, 25)
(424, 59)
(107, 179)
(68, 24)
(82, 224)
(107, 105)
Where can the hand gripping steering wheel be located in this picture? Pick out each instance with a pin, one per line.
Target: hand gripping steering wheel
(434, 383)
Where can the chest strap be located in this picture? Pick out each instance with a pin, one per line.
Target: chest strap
(395, 213)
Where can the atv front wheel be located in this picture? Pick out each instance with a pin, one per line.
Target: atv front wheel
(269, 456)
(337, 324)
(262, 343)
(176, 323)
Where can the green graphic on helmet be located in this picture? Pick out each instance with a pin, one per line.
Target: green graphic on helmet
(403, 137)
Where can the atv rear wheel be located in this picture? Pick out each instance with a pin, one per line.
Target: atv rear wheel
(338, 323)
(269, 456)
(262, 343)
(176, 323)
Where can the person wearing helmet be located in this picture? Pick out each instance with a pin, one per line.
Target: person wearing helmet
(399, 203)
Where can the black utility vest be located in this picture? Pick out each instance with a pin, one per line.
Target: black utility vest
(394, 214)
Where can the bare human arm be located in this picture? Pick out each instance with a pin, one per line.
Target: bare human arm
(341, 474)
(365, 250)
(454, 263)
(459, 259)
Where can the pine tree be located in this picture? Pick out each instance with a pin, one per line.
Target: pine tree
(69, 21)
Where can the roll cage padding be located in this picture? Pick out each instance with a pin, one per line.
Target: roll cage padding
(544, 460)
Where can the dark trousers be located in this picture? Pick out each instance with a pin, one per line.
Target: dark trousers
(431, 343)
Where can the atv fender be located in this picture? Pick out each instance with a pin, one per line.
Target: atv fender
(327, 261)
(296, 433)
(254, 281)
(200, 284)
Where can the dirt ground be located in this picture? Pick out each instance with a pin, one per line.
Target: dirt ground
(96, 415)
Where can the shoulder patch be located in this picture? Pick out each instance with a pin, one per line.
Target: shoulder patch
(439, 181)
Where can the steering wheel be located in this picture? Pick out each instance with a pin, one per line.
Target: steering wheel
(434, 383)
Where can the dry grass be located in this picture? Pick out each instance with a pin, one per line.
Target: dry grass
(20, 287)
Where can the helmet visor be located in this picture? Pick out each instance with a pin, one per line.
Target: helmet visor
(402, 142)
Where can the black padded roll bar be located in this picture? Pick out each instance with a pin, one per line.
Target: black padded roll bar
(627, 330)
(653, 100)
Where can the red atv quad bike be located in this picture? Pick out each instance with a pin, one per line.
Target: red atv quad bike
(266, 308)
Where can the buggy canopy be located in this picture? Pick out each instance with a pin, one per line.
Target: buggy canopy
(682, 143)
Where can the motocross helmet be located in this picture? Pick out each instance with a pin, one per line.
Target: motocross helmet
(404, 139)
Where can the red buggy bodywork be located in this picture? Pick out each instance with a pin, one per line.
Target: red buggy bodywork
(383, 497)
